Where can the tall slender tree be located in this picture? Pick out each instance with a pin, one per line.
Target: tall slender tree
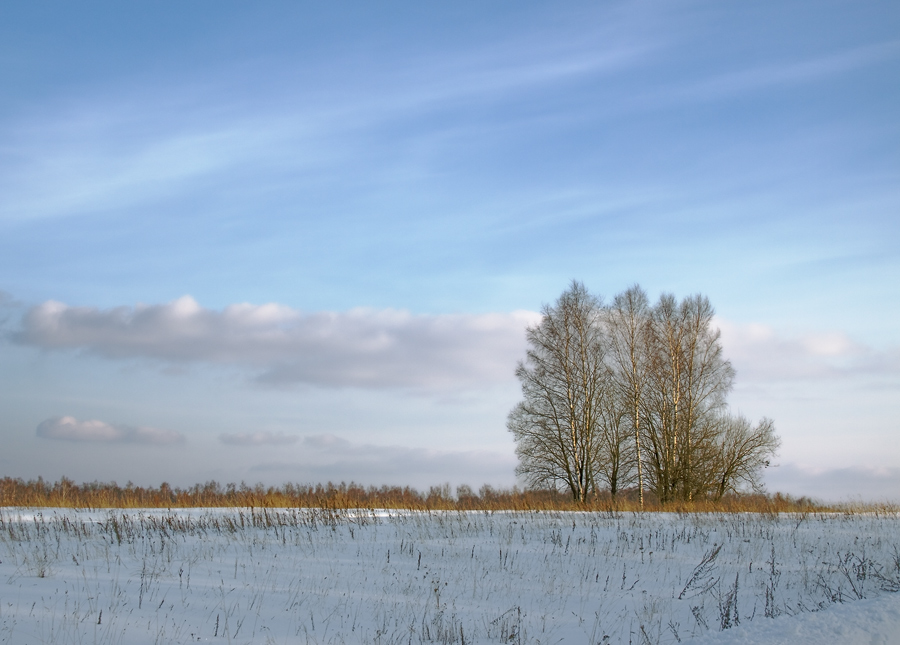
(690, 380)
(628, 319)
(564, 380)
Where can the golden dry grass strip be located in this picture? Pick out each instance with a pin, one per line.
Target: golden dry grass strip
(91, 495)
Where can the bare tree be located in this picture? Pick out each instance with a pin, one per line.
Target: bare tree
(632, 393)
(628, 319)
(663, 404)
(708, 379)
(744, 451)
(615, 459)
(564, 380)
(690, 379)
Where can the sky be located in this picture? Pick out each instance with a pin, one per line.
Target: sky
(301, 242)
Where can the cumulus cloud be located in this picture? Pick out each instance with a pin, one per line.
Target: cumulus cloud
(259, 439)
(93, 430)
(361, 347)
(327, 457)
(760, 353)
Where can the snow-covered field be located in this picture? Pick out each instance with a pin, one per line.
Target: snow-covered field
(314, 576)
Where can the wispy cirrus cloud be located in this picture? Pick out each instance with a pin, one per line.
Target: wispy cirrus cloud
(742, 81)
(358, 348)
(94, 430)
(127, 148)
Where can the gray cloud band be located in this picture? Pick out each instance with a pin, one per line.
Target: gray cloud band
(837, 484)
(359, 348)
(259, 439)
(326, 457)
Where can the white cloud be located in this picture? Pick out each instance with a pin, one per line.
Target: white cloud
(93, 430)
(361, 347)
(390, 348)
(259, 439)
(761, 354)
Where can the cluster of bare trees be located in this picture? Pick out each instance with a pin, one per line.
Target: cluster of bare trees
(629, 395)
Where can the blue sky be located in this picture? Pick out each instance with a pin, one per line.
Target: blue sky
(328, 225)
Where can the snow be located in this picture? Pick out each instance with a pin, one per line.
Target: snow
(864, 622)
(317, 576)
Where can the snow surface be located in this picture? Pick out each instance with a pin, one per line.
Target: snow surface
(315, 576)
(869, 622)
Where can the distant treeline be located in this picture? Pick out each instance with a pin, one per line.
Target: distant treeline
(66, 493)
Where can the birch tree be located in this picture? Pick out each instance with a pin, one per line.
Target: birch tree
(628, 318)
(689, 382)
(564, 381)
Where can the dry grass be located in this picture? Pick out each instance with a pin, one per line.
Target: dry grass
(67, 494)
